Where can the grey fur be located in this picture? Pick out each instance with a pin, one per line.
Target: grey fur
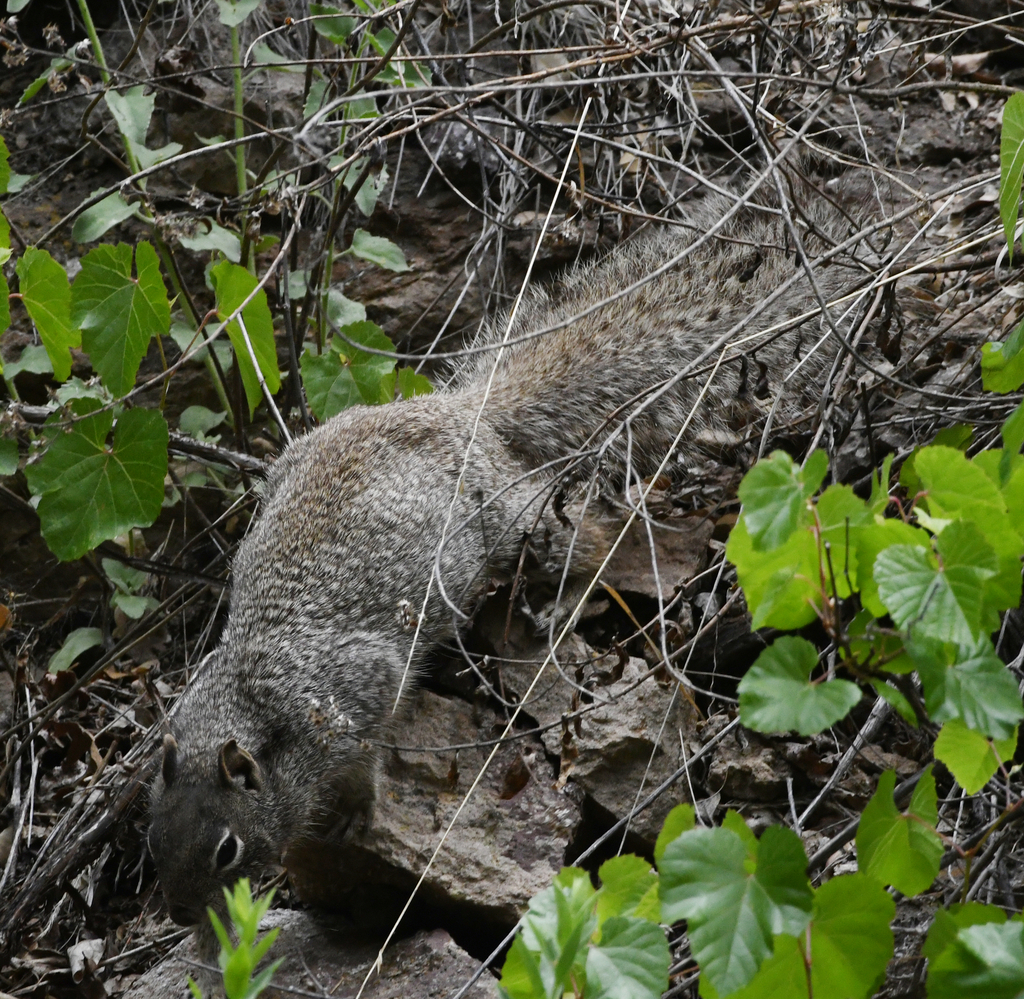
(329, 580)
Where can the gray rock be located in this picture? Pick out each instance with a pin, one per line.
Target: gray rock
(319, 958)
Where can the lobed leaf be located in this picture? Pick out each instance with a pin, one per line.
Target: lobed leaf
(46, 294)
(970, 757)
(902, 850)
(119, 314)
(777, 695)
(774, 493)
(733, 911)
(630, 962)
(983, 962)
(90, 491)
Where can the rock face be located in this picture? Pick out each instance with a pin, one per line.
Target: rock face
(508, 843)
(319, 959)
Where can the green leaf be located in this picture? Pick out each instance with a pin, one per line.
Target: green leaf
(971, 758)
(780, 585)
(330, 24)
(681, 819)
(782, 976)
(734, 912)
(851, 942)
(942, 602)
(410, 383)
(776, 695)
(198, 421)
(774, 495)
(959, 489)
(233, 284)
(735, 822)
(233, 12)
(78, 641)
(315, 100)
(46, 294)
(870, 540)
(626, 884)
(957, 917)
(8, 457)
(124, 577)
(215, 237)
(104, 215)
(132, 111)
(57, 65)
(1002, 364)
(342, 311)
(377, 250)
(902, 850)
(345, 375)
(895, 699)
(119, 314)
(521, 975)
(631, 961)
(1013, 437)
(91, 491)
(1011, 165)
(969, 682)
(983, 962)
(840, 513)
(34, 359)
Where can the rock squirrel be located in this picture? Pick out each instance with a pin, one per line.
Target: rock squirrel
(270, 745)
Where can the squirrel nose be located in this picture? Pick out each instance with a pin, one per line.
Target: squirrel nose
(183, 915)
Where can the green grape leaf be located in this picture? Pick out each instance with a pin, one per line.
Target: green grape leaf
(681, 819)
(119, 314)
(780, 585)
(626, 889)
(104, 215)
(896, 700)
(342, 311)
(870, 540)
(733, 911)
(132, 111)
(840, 513)
(377, 250)
(984, 962)
(78, 641)
(1012, 433)
(781, 976)
(970, 757)
(735, 822)
(345, 375)
(942, 602)
(1002, 362)
(777, 695)
(774, 494)
(1011, 166)
(90, 491)
(411, 384)
(902, 850)
(851, 942)
(233, 284)
(46, 294)
(969, 682)
(329, 23)
(630, 962)
(958, 916)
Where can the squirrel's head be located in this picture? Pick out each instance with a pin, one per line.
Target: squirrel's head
(210, 827)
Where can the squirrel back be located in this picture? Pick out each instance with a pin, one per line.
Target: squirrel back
(271, 745)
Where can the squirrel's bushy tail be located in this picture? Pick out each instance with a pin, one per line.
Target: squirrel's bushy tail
(586, 352)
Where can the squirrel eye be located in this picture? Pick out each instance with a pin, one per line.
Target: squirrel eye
(228, 851)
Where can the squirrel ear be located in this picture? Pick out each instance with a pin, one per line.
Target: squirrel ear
(236, 762)
(169, 767)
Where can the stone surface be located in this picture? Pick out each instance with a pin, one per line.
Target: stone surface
(508, 842)
(319, 959)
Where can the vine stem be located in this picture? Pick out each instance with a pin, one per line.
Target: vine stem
(236, 59)
(94, 40)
